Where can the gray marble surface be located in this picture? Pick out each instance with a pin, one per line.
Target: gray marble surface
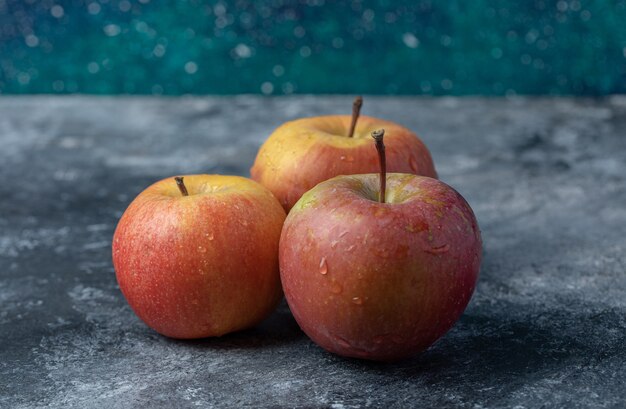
(545, 328)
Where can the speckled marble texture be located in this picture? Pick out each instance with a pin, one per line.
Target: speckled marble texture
(545, 328)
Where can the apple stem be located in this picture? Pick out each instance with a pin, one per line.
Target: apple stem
(380, 147)
(181, 185)
(356, 111)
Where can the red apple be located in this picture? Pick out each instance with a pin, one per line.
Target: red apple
(302, 153)
(379, 281)
(201, 259)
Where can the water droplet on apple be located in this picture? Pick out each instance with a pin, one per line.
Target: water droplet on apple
(351, 248)
(343, 233)
(336, 288)
(210, 235)
(413, 164)
(201, 249)
(438, 249)
(357, 300)
(323, 266)
(333, 244)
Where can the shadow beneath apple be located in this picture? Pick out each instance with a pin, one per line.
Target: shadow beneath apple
(491, 349)
(278, 329)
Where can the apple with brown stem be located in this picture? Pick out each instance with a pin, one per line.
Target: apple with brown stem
(199, 257)
(379, 266)
(302, 153)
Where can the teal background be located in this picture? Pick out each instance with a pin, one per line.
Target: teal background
(487, 47)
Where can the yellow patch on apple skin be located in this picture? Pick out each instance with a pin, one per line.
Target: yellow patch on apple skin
(333, 130)
(433, 202)
(198, 185)
(381, 212)
(307, 200)
(305, 152)
(414, 228)
(397, 192)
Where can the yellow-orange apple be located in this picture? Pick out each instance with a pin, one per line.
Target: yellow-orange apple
(302, 153)
(379, 280)
(199, 257)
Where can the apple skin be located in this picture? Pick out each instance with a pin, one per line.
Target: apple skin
(302, 153)
(200, 265)
(379, 281)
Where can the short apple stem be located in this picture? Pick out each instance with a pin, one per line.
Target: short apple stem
(380, 147)
(181, 185)
(356, 111)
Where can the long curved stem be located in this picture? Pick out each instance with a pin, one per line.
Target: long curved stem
(380, 147)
